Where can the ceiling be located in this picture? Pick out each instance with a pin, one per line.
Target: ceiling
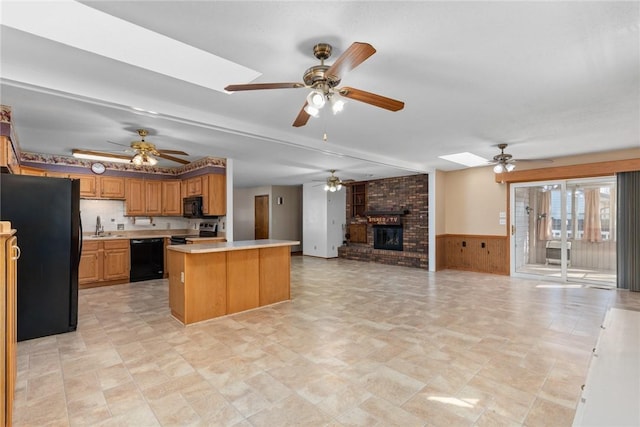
(551, 79)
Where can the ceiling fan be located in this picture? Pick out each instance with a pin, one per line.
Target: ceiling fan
(334, 183)
(323, 81)
(505, 162)
(145, 153)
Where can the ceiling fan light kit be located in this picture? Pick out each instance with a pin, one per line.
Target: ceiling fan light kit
(146, 153)
(333, 183)
(323, 81)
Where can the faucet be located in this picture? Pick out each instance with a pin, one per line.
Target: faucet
(99, 227)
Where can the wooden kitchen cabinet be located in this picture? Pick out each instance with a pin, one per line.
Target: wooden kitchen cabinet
(214, 194)
(135, 197)
(9, 254)
(116, 259)
(111, 187)
(153, 197)
(104, 263)
(90, 268)
(171, 198)
(194, 186)
(88, 185)
(27, 170)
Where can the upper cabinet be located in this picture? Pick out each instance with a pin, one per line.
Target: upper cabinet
(135, 200)
(212, 188)
(214, 195)
(171, 198)
(194, 186)
(111, 187)
(153, 197)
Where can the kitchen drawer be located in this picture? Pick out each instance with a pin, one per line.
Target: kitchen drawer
(90, 245)
(115, 244)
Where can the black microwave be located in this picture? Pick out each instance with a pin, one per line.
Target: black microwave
(192, 207)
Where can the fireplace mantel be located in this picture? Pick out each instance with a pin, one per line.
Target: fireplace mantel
(381, 213)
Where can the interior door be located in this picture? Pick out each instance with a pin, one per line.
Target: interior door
(261, 220)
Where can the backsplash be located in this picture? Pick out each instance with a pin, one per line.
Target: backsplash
(111, 214)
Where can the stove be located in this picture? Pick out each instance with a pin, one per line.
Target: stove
(207, 229)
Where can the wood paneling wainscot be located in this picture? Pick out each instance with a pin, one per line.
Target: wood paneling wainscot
(485, 254)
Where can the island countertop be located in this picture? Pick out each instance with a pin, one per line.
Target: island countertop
(231, 246)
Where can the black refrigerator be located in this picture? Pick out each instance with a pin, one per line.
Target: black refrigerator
(46, 214)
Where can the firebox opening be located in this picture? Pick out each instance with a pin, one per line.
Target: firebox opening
(387, 237)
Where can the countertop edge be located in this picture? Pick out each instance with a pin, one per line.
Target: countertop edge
(231, 246)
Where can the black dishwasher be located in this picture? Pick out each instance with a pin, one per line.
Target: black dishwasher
(147, 259)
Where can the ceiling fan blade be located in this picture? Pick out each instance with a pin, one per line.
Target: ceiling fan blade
(173, 159)
(181, 153)
(532, 160)
(303, 117)
(117, 143)
(100, 153)
(372, 98)
(259, 86)
(355, 55)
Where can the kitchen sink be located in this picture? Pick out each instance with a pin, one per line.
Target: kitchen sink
(102, 236)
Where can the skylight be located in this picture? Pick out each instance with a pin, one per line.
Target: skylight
(466, 158)
(82, 27)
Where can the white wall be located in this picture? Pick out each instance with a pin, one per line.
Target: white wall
(323, 220)
(336, 221)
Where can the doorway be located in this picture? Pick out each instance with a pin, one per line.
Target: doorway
(565, 230)
(261, 217)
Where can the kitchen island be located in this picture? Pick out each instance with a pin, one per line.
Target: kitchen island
(215, 279)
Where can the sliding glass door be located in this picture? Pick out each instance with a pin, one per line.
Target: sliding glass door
(565, 230)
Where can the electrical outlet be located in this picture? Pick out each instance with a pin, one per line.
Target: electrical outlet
(182, 277)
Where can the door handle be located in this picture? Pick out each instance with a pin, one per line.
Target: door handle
(18, 252)
(513, 229)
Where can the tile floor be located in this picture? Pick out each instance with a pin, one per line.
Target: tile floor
(359, 345)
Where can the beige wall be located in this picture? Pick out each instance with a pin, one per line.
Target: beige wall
(469, 201)
(473, 202)
(441, 179)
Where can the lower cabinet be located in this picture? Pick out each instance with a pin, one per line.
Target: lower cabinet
(104, 263)
(9, 253)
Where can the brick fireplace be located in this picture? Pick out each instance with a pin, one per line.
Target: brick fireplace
(392, 226)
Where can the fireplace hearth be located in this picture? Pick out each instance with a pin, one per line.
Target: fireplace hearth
(387, 237)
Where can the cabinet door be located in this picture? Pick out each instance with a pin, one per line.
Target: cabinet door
(112, 187)
(194, 186)
(11, 325)
(88, 185)
(135, 197)
(26, 170)
(214, 199)
(171, 200)
(116, 259)
(153, 195)
(90, 269)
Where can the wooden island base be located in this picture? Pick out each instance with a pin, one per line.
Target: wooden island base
(216, 279)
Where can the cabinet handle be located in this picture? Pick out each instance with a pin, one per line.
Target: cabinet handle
(18, 252)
